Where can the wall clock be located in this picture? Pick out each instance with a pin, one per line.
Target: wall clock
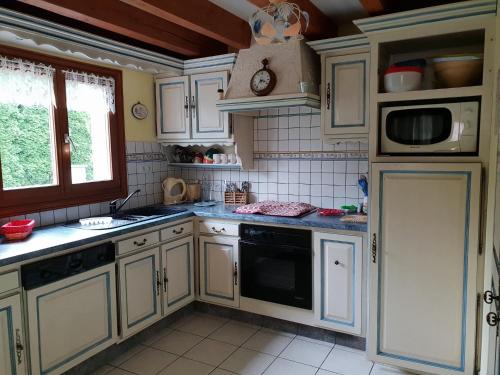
(139, 111)
(263, 81)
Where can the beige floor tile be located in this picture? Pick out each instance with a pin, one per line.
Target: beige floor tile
(234, 333)
(202, 324)
(285, 367)
(269, 342)
(184, 366)
(126, 355)
(220, 371)
(379, 369)
(119, 371)
(308, 339)
(324, 372)
(309, 353)
(347, 363)
(148, 362)
(177, 342)
(156, 336)
(247, 362)
(103, 370)
(210, 352)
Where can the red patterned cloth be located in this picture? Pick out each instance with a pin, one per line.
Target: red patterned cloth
(273, 208)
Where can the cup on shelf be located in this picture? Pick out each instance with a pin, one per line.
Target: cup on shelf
(231, 159)
(223, 158)
(217, 158)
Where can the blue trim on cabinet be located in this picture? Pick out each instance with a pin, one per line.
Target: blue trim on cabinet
(160, 89)
(465, 278)
(189, 292)
(153, 273)
(332, 95)
(353, 293)
(81, 352)
(221, 114)
(10, 327)
(205, 268)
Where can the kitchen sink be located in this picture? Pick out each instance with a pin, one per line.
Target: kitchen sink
(128, 217)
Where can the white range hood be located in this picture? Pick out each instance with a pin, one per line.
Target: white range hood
(292, 62)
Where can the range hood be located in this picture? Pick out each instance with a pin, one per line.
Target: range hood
(292, 62)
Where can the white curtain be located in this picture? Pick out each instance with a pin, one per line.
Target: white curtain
(84, 91)
(26, 83)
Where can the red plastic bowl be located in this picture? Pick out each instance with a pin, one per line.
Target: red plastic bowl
(17, 229)
(331, 212)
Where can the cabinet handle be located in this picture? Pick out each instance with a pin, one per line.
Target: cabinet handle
(136, 243)
(218, 231)
(235, 273)
(158, 283)
(19, 347)
(178, 231)
(193, 107)
(489, 297)
(328, 94)
(374, 248)
(492, 319)
(165, 279)
(337, 262)
(186, 106)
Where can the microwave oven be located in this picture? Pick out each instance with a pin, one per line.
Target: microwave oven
(439, 127)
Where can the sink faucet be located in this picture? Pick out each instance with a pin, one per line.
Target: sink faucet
(112, 205)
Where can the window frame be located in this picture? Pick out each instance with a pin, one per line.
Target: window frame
(66, 194)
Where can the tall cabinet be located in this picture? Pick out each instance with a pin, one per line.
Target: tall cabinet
(424, 228)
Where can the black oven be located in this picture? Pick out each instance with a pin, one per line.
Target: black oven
(276, 265)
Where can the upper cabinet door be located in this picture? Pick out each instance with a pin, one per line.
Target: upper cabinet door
(12, 343)
(172, 107)
(423, 265)
(346, 95)
(178, 274)
(208, 122)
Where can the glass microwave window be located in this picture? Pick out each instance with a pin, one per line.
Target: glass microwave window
(423, 126)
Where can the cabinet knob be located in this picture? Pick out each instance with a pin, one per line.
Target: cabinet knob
(489, 297)
(492, 319)
(337, 262)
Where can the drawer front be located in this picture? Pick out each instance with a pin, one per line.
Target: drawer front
(219, 228)
(138, 242)
(9, 281)
(177, 231)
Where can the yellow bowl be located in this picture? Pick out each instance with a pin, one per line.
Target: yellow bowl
(459, 73)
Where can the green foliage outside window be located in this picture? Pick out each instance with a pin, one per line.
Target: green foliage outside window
(25, 144)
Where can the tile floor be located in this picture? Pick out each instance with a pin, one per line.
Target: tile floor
(201, 344)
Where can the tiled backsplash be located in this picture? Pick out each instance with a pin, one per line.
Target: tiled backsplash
(291, 163)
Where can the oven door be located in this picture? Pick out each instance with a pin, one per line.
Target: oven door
(420, 129)
(279, 274)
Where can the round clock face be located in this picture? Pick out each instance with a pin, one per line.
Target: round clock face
(262, 82)
(140, 111)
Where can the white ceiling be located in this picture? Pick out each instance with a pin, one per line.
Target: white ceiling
(339, 10)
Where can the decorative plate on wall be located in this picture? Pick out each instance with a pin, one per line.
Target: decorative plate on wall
(140, 111)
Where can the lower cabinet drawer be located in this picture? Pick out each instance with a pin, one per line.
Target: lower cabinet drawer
(219, 228)
(138, 242)
(177, 230)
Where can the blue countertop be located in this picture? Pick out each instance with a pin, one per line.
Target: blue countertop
(50, 240)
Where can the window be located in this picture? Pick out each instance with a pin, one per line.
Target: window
(61, 133)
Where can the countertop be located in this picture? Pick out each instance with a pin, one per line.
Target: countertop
(52, 239)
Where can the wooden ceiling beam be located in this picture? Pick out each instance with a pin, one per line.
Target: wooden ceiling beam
(200, 16)
(117, 17)
(374, 6)
(320, 25)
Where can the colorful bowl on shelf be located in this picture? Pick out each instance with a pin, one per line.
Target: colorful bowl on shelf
(458, 70)
(17, 229)
(403, 78)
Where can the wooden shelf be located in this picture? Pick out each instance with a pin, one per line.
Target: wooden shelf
(205, 166)
(455, 92)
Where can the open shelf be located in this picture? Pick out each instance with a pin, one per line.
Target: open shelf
(205, 166)
(430, 94)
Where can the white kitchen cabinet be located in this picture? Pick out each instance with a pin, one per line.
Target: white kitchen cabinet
(219, 278)
(172, 109)
(186, 111)
(140, 288)
(178, 274)
(207, 121)
(345, 107)
(338, 261)
(71, 320)
(425, 228)
(12, 343)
